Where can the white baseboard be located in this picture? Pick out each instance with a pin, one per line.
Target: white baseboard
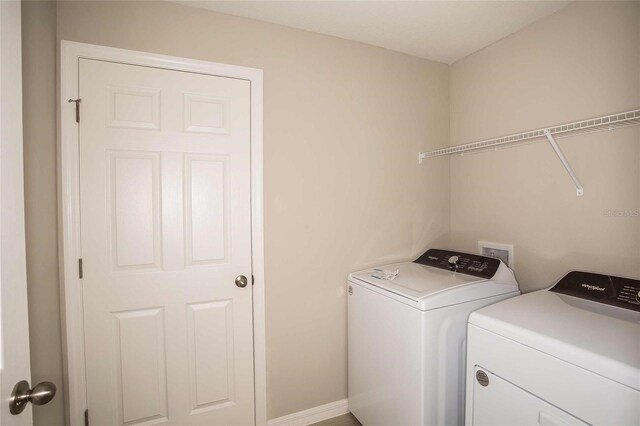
(312, 415)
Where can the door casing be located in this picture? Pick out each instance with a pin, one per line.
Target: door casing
(69, 166)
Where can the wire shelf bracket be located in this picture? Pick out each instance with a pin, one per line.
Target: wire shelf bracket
(608, 122)
(565, 162)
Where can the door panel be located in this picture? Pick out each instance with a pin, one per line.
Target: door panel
(140, 335)
(206, 215)
(134, 196)
(165, 218)
(211, 353)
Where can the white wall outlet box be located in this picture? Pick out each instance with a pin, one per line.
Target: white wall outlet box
(503, 252)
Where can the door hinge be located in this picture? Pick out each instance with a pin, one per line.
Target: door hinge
(86, 417)
(253, 280)
(77, 102)
(80, 274)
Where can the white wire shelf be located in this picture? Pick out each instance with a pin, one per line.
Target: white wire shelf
(607, 122)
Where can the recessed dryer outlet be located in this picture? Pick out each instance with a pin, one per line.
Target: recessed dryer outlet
(503, 252)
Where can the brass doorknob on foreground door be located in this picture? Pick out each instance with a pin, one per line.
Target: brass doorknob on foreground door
(241, 281)
(41, 394)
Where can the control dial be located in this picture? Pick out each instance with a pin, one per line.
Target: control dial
(454, 262)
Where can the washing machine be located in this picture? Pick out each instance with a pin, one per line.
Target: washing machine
(569, 355)
(406, 335)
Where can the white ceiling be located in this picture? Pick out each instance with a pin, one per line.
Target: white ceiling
(443, 31)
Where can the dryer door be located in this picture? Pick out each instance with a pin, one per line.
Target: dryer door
(497, 402)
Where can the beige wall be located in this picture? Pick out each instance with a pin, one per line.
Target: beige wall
(343, 125)
(39, 112)
(580, 62)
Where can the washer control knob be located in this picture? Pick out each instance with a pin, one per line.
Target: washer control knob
(453, 262)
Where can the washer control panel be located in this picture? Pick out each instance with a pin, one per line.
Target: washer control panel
(607, 289)
(465, 263)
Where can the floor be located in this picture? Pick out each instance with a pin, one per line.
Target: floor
(344, 420)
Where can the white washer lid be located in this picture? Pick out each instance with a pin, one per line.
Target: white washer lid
(429, 288)
(600, 338)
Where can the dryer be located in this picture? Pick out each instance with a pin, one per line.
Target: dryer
(406, 335)
(569, 355)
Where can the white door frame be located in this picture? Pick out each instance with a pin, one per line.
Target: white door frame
(69, 167)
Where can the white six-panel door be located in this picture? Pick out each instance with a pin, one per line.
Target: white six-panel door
(14, 318)
(165, 231)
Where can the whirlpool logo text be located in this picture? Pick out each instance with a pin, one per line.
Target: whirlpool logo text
(592, 287)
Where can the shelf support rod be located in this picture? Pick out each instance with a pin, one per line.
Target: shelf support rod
(565, 163)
